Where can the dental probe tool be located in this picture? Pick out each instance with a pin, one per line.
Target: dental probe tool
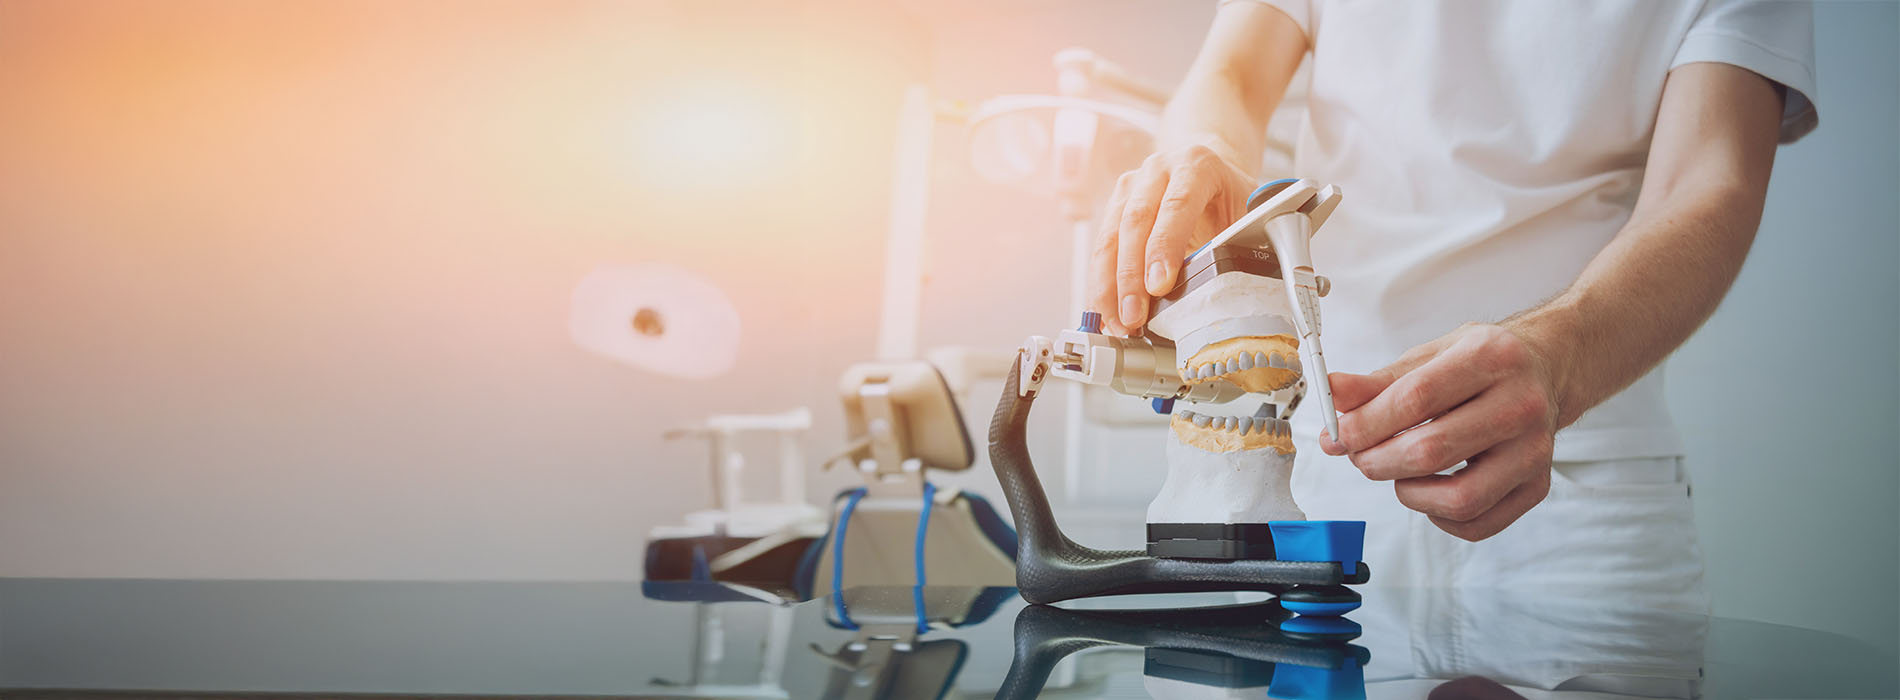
(1290, 234)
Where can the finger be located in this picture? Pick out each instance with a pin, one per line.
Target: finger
(1467, 430)
(1175, 224)
(1413, 358)
(1513, 506)
(1481, 495)
(1137, 220)
(1415, 396)
(1351, 391)
(1101, 270)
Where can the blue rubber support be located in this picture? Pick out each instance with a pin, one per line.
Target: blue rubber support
(1343, 541)
(1338, 627)
(1260, 195)
(1295, 682)
(837, 557)
(1162, 406)
(1319, 609)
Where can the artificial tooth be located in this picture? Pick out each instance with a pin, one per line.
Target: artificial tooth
(1260, 359)
(1275, 360)
(1208, 371)
(1246, 361)
(1246, 426)
(1200, 421)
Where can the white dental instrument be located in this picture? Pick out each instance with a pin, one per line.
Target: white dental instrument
(1289, 235)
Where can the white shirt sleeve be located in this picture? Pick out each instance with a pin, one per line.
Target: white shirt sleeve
(1772, 38)
(1300, 11)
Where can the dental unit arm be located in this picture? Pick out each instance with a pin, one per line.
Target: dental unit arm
(1242, 322)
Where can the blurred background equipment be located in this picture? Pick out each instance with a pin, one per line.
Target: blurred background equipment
(900, 527)
(658, 318)
(1072, 146)
(740, 540)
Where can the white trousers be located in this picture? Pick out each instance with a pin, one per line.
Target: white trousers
(1620, 525)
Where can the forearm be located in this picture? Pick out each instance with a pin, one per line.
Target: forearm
(1640, 298)
(1493, 396)
(1230, 92)
(1209, 110)
(1667, 270)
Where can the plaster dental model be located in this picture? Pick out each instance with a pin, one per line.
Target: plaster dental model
(1244, 322)
(1227, 468)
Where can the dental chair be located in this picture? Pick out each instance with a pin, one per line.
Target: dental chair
(899, 528)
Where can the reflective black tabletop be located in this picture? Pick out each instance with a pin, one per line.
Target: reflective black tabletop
(184, 637)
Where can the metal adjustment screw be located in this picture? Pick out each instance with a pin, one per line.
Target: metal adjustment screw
(1091, 322)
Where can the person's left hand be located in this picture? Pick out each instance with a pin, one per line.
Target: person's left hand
(1482, 395)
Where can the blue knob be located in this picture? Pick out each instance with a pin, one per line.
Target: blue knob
(1266, 192)
(1162, 406)
(1091, 322)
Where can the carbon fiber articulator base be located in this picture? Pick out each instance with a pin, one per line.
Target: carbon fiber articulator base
(1050, 567)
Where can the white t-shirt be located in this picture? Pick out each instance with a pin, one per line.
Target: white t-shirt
(1489, 150)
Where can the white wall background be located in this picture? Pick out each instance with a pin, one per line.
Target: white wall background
(282, 293)
(1793, 449)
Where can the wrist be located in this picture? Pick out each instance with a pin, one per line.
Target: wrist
(1553, 332)
(1224, 149)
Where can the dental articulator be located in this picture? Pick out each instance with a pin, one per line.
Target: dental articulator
(1230, 353)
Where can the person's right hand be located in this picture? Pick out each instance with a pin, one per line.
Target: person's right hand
(1178, 199)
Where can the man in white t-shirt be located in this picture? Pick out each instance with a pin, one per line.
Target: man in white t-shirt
(1543, 200)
